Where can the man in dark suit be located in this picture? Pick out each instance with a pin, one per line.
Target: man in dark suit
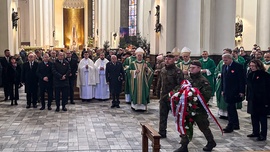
(61, 71)
(30, 79)
(5, 64)
(114, 77)
(44, 73)
(73, 63)
(233, 89)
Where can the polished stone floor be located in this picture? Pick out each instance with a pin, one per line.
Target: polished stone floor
(94, 126)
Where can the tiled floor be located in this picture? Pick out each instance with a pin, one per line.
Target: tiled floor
(96, 127)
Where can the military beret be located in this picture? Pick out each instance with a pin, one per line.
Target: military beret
(196, 62)
(170, 55)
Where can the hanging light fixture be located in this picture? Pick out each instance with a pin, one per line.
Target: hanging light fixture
(73, 4)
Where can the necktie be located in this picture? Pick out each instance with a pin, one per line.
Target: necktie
(31, 65)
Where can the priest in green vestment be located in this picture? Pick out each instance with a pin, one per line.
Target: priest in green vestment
(126, 64)
(266, 62)
(221, 104)
(208, 69)
(238, 58)
(140, 75)
(184, 65)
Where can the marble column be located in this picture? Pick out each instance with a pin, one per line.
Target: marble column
(188, 25)
(223, 31)
(263, 37)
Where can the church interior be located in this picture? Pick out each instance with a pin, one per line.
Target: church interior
(76, 24)
(158, 26)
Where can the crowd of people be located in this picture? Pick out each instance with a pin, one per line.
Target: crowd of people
(100, 74)
(56, 73)
(236, 77)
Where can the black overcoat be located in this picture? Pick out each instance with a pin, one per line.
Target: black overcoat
(258, 96)
(45, 70)
(59, 69)
(14, 74)
(115, 75)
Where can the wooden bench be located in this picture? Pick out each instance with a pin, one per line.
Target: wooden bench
(149, 133)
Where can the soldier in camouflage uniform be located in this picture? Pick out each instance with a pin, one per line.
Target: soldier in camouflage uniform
(170, 77)
(199, 81)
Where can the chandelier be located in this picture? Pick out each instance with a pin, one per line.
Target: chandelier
(73, 4)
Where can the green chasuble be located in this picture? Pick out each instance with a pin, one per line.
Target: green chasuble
(210, 65)
(178, 61)
(184, 66)
(221, 104)
(126, 65)
(140, 83)
(240, 60)
(267, 66)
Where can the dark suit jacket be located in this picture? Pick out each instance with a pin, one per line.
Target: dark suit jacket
(73, 67)
(59, 69)
(30, 78)
(115, 75)
(233, 82)
(45, 70)
(5, 66)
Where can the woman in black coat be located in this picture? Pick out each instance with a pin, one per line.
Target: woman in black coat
(258, 84)
(14, 80)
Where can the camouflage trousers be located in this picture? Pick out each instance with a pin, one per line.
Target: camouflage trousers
(164, 108)
(202, 122)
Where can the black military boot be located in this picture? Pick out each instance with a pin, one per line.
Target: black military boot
(16, 103)
(183, 148)
(209, 146)
(162, 134)
(12, 102)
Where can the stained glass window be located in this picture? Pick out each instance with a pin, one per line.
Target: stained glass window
(132, 25)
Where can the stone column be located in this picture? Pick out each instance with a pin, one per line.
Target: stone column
(144, 18)
(103, 22)
(8, 36)
(154, 37)
(263, 37)
(39, 21)
(168, 22)
(4, 11)
(224, 25)
(249, 23)
(90, 18)
(32, 21)
(124, 13)
(47, 23)
(188, 25)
